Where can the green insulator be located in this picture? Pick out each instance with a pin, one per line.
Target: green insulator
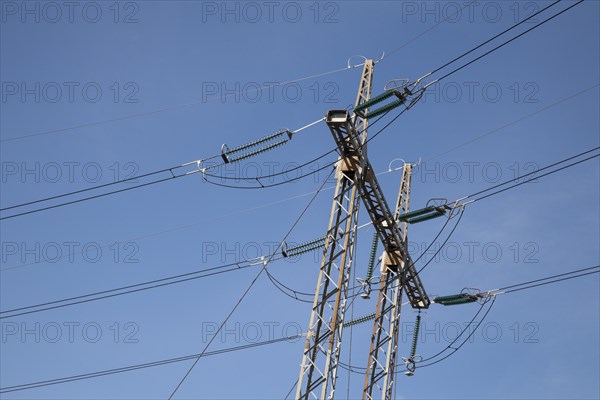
(440, 299)
(255, 143)
(427, 217)
(374, 100)
(259, 151)
(456, 299)
(461, 301)
(304, 250)
(385, 109)
(413, 348)
(320, 241)
(359, 320)
(295, 251)
(372, 257)
(415, 213)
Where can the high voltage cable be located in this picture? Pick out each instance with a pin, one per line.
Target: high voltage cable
(532, 178)
(198, 272)
(536, 282)
(547, 283)
(451, 62)
(92, 188)
(462, 211)
(14, 138)
(97, 374)
(492, 294)
(206, 354)
(508, 188)
(138, 287)
(495, 130)
(173, 176)
(361, 370)
(262, 186)
(96, 196)
(130, 179)
(455, 349)
(146, 113)
(501, 44)
(243, 296)
(492, 38)
(459, 335)
(509, 41)
(430, 29)
(226, 95)
(436, 156)
(179, 166)
(134, 288)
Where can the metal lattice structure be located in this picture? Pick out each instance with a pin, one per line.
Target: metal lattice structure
(380, 372)
(318, 371)
(398, 272)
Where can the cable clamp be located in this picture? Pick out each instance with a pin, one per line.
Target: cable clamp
(224, 150)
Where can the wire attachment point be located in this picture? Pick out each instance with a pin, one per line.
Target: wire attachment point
(224, 150)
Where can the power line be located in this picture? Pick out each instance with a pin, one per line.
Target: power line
(462, 199)
(243, 296)
(173, 176)
(305, 175)
(455, 349)
(431, 28)
(504, 43)
(134, 367)
(492, 294)
(96, 196)
(237, 348)
(459, 335)
(554, 281)
(530, 179)
(185, 105)
(138, 287)
(493, 37)
(434, 157)
(505, 189)
(477, 58)
(534, 178)
(262, 186)
(149, 284)
(495, 130)
(528, 285)
(83, 298)
(462, 211)
(171, 170)
(175, 107)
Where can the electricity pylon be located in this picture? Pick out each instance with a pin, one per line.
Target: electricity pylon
(398, 271)
(318, 371)
(356, 180)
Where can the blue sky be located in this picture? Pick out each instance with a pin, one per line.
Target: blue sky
(113, 60)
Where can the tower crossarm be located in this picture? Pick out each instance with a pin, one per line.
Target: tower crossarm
(347, 139)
